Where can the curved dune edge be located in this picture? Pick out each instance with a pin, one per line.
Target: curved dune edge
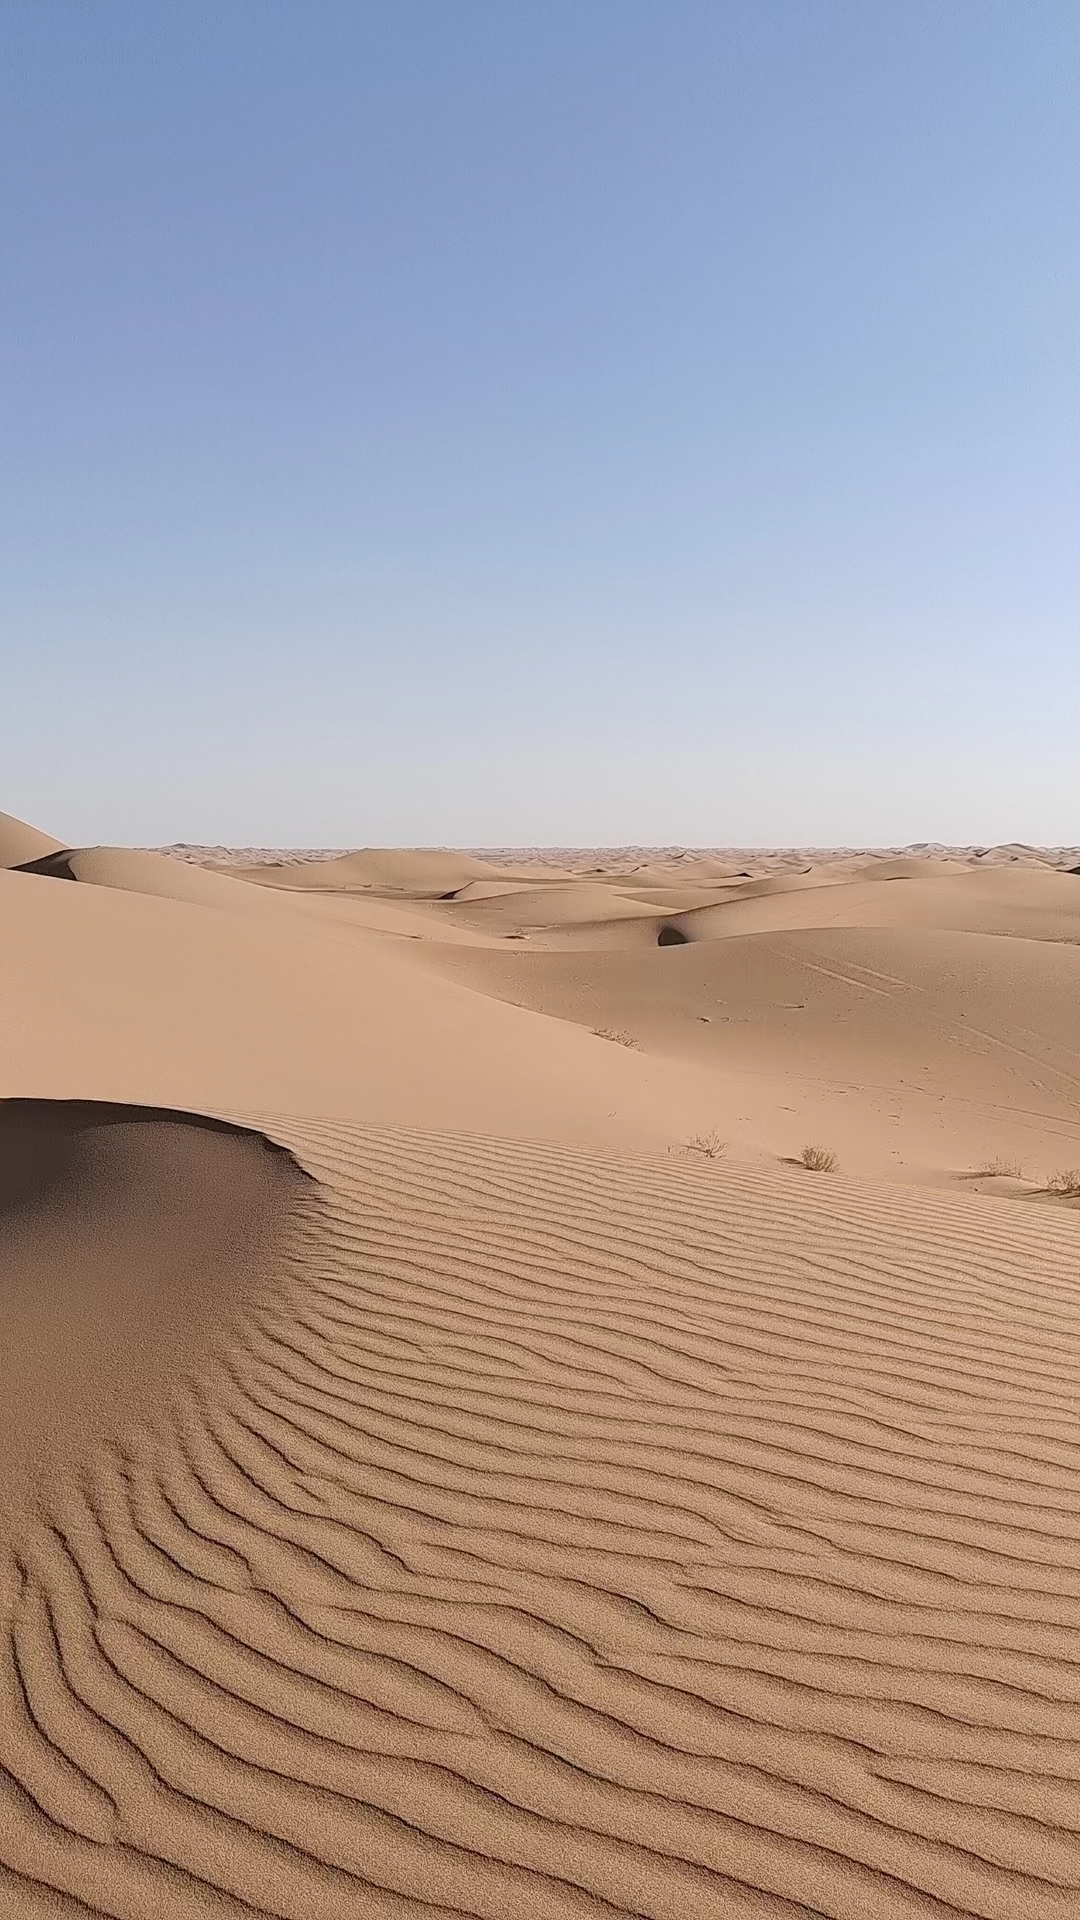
(131, 1241)
(559, 1534)
(20, 842)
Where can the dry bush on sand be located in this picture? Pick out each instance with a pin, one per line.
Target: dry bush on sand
(818, 1159)
(619, 1035)
(1065, 1181)
(709, 1145)
(1002, 1168)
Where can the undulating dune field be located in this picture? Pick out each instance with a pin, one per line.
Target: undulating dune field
(455, 1460)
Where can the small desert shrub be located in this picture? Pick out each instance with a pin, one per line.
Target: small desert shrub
(1066, 1181)
(709, 1145)
(619, 1035)
(1003, 1168)
(818, 1159)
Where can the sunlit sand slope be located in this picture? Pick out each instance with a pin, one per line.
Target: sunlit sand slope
(19, 842)
(246, 998)
(557, 1535)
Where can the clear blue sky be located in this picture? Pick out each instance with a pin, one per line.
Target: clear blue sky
(501, 421)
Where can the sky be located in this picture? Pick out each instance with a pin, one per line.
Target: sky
(566, 422)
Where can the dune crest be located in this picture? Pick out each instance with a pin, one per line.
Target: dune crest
(20, 843)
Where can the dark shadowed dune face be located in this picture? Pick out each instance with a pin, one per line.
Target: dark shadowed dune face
(128, 1239)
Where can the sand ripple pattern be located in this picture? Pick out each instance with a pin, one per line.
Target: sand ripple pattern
(571, 1536)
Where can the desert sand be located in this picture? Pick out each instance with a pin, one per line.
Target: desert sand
(455, 1460)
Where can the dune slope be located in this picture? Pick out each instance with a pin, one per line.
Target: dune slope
(564, 1535)
(127, 1238)
(430, 1489)
(20, 843)
(247, 999)
(921, 1048)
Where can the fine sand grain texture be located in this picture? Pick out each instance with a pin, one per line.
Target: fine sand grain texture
(429, 1487)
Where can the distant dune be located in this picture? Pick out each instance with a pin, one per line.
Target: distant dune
(455, 1465)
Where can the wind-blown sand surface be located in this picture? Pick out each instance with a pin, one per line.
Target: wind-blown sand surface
(429, 1488)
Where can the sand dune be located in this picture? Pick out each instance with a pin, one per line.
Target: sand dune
(130, 870)
(922, 1015)
(427, 1488)
(562, 1535)
(19, 843)
(925, 1054)
(380, 869)
(127, 1237)
(135, 870)
(545, 909)
(116, 995)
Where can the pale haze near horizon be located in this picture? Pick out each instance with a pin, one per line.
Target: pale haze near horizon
(567, 424)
